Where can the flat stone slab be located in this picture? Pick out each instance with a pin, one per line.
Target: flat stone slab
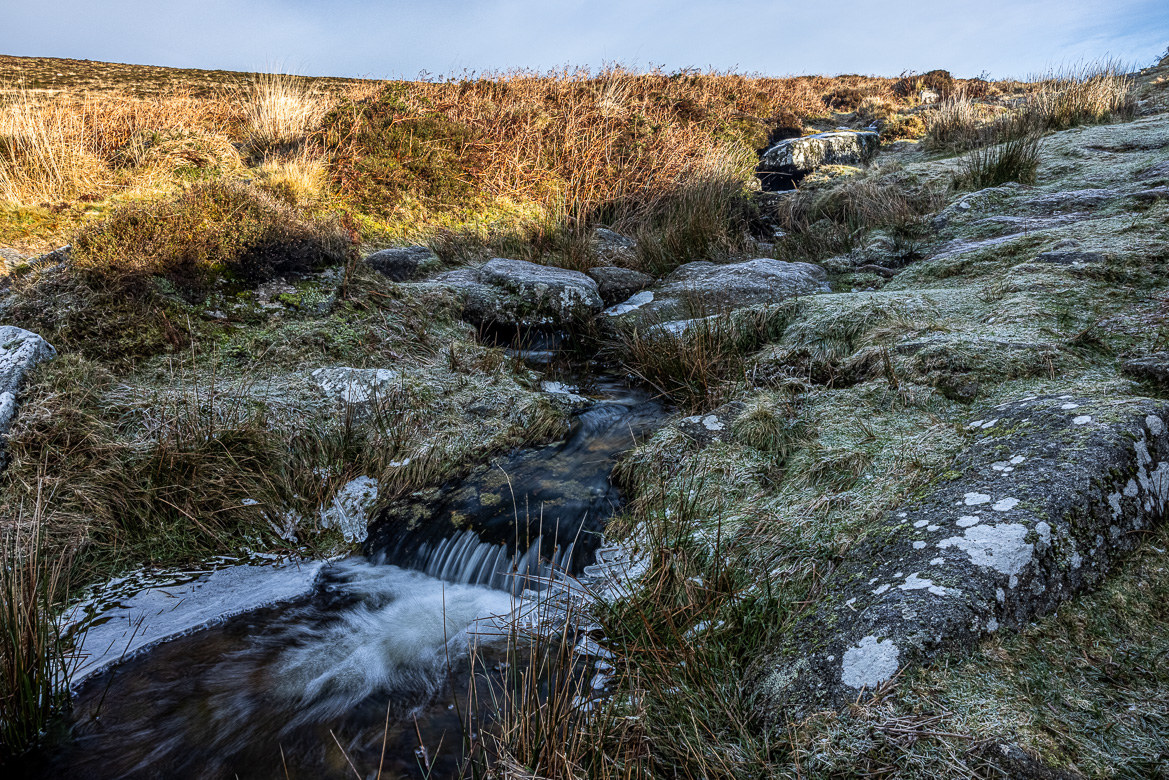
(127, 625)
(1045, 501)
(705, 288)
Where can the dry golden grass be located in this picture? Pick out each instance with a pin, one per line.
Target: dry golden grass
(301, 177)
(954, 123)
(572, 147)
(1088, 93)
(542, 155)
(43, 154)
(63, 147)
(282, 109)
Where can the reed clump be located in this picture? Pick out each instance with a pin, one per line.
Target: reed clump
(35, 663)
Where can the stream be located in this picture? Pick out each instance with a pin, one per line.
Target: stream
(362, 674)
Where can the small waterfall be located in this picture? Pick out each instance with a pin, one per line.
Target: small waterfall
(467, 560)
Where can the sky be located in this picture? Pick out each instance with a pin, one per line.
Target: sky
(406, 38)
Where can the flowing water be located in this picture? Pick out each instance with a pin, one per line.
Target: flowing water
(367, 667)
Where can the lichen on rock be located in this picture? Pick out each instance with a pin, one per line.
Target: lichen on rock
(1044, 502)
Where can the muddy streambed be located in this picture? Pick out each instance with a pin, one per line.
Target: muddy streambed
(374, 657)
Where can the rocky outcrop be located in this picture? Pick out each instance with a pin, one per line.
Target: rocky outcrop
(1151, 368)
(519, 293)
(618, 284)
(695, 289)
(403, 264)
(20, 352)
(1044, 502)
(784, 165)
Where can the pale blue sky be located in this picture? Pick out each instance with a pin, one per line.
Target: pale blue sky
(400, 38)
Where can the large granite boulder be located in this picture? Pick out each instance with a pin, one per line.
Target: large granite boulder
(702, 289)
(1043, 503)
(401, 264)
(20, 352)
(784, 165)
(519, 293)
(618, 284)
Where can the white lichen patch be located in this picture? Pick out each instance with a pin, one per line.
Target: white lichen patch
(1083, 419)
(965, 521)
(976, 499)
(919, 545)
(881, 589)
(712, 423)
(921, 523)
(999, 547)
(1044, 531)
(870, 663)
(1015, 461)
(1069, 406)
(1005, 505)
(913, 582)
(1114, 502)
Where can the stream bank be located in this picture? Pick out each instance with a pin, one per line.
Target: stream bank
(375, 655)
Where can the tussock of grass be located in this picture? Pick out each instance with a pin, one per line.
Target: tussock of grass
(954, 123)
(705, 215)
(297, 179)
(1007, 153)
(1086, 94)
(770, 425)
(700, 366)
(833, 218)
(213, 229)
(281, 109)
(42, 151)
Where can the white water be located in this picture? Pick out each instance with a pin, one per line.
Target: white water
(466, 559)
(400, 635)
